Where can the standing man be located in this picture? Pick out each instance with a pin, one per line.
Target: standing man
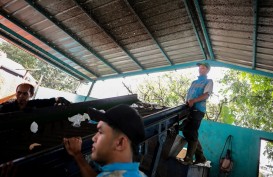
(24, 92)
(197, 95)
(120, 130)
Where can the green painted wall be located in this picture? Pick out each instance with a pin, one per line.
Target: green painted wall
(245, 147)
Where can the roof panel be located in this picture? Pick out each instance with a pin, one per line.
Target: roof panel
(177, 15)
(93, 39)
(12, 6)
(235, 34)
(187, 58)
(244, 10)
(55, 7)
(161, 8)
(70, 12)
(235, 60)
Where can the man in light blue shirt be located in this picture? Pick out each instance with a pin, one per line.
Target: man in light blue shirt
(198, 93)
(120, 130)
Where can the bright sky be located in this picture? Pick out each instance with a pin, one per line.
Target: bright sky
(114, 87)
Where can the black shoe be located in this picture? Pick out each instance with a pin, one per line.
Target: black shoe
(200, 160)
(187, 161)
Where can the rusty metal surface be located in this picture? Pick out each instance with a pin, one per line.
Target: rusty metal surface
(102, 38)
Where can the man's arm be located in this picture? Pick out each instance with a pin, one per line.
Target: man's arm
(200, 98)
(9, 107)
(207, 92)
(62, 101)
(73, 147)
(85, 168)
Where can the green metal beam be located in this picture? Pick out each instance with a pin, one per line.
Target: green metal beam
(19, 24)
(45, 53)
(255, 29)
(154, 70)
(240, 68)
(149, 33)
(194, 28)
(204, 29)
(70, 33)
(18, 43)
(107, 33)
(90, 90)
(189, 65)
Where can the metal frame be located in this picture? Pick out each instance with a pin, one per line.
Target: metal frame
(240, 68)
(255, 30)
(189, 65)
(204, 29)
(89, 91)
(194, 28)
(206, 44)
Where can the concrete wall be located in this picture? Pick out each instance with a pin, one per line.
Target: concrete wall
(245, 147)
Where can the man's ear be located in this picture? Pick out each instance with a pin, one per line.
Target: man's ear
(30, 95)
(122, 142)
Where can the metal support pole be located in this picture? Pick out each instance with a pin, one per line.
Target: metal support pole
(204, 29)
(195, 29)
(255, 29)
(91, 87)
(37, 87)
(161, 140)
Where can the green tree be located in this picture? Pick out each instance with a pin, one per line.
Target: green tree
(249, 100)
(269, 150)
(167, 90)
(52, 77)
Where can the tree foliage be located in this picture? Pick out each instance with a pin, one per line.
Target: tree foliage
(249, 100)
(166, 90)
(269, 150)
(52, 77)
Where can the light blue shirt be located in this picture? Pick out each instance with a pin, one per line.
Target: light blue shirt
(121, 170)
(198, 87)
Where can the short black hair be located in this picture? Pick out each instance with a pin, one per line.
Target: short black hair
(31, 87)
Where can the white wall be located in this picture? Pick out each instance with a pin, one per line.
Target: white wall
(44, 93)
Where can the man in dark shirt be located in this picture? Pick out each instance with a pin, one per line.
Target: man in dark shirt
(24, 92)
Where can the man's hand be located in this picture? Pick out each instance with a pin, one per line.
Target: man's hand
(73, 145)
(62, 101)
(191, 102)
(8, 170)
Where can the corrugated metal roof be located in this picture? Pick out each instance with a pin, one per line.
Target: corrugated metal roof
(101, 39)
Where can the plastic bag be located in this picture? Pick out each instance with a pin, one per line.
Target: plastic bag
(77, 119)
(226, 165)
